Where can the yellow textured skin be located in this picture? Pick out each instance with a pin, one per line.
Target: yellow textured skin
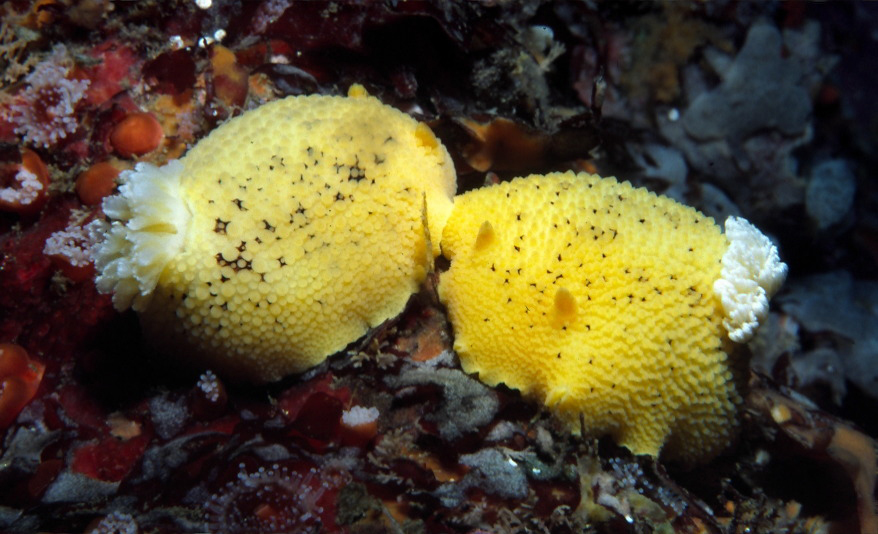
(307, 229)
(596, 298)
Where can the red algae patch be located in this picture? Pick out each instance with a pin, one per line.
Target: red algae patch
(19, 379)
(230, 80)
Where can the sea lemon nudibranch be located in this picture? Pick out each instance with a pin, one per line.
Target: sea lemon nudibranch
(608, 302)
(281, 237)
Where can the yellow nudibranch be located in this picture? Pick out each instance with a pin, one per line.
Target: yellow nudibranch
(291, 230)
(281, 237)
(610, 304)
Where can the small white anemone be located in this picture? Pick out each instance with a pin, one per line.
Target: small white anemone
(751, 273)
(148, 226)
(28, 190)
(359, 415)
(76, 243)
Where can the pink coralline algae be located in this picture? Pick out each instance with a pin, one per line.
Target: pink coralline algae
(43, 113)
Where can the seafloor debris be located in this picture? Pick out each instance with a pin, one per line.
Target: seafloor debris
(760, 110)
(819, 437)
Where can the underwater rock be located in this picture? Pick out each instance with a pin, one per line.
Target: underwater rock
(760, 90)
(830, 192)
(846, 309)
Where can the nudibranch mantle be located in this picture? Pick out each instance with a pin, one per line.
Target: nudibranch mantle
(598, 299)
(281, 237)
